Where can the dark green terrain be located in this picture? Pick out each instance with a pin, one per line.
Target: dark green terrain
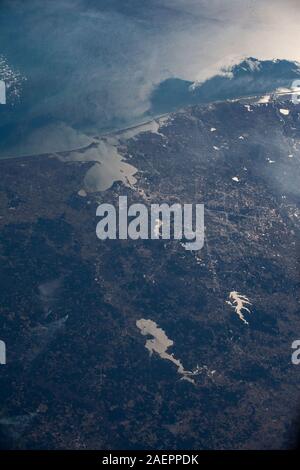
(78, 375)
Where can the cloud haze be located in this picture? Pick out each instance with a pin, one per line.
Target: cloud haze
(92, 64)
